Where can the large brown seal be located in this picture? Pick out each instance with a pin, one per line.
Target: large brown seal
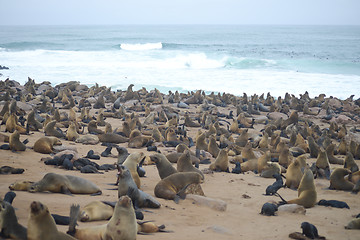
(338, 182)
(14, 142)
(293, 174)
(9, 226)
(221, 162)
(41, 225)
(163, 165)
(66, 184)
(122, 225)
(173, 187)
(127, 185)
(46, 144)
(306, 191)
(184, 164)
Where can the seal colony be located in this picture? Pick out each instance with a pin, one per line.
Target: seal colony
(173, 144)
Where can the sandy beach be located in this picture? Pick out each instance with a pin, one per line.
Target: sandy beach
(243, 193)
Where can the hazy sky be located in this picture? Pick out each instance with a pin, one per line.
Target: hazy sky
(54, 12)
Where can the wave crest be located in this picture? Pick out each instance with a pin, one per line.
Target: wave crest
(141, 46)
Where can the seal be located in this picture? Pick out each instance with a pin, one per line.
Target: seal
(293, 175)
(127, 186)
(112, 138)
(72, 134)
(45, 144)
(14, 142)
(163, 165)
(306, 191)
(51, 131)
(221, 162)
(173, 187)
(122, 155)
(92, 128)
(330, 153)
(353, 224)
(213, 148)
(338, 182)
(268, 209)
(322, 163)
(33, 124)
(131, 163)
(184, 164)
(41, 224)
(309, 230)
(350, 163)
(9, 226)
(95, 211)
(273, 188)
(333, 203)
(66, 184)
(174, 157)
(21, 185)
(12, 125)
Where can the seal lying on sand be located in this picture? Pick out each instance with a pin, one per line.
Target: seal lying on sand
(66, 184)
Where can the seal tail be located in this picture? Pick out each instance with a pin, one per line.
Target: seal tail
(74, 214)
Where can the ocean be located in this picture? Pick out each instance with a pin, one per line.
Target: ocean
(220, 58)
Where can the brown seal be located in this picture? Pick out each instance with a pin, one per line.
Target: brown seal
(271, 169)
(330, 153)
(92, 128)
(14, 142)
(46, 144)
(353, 224)
(66, 184)
(306, 191)
(95, 211)
(112, 138)
(72, 134)
(12, 125)
(174, 157)
(122, 225)
(163, 165)
(184, 164)
(338, 182)
(51, 131)
(350, 163)
(221, 162)
(9, 226)
(213, 148)
(131, 163)
(34, 124)
(21, 185)
(293, 174)
(41, 225)
(173, 187)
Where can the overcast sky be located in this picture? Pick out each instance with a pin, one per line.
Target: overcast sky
(74, 12)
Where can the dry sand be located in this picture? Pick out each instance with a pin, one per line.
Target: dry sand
(243, 193)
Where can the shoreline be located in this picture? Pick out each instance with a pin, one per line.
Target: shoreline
(243, 193)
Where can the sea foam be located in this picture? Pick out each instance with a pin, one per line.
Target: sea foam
(140, 46)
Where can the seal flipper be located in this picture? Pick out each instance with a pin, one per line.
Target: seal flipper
(74, 214)
(181, 194)
(65, 190)
(283, 202)
(61, 220)
(9, 197)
